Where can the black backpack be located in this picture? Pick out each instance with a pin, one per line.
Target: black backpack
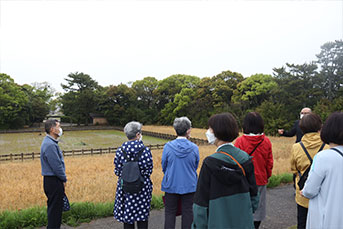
(132, 180)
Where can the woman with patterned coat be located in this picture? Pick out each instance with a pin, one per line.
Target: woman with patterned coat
(130, 208)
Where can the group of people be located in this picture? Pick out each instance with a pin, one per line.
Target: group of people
(230, 191)
(317, 163)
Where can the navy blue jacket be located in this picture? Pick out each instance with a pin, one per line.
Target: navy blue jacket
(294, 131)
(51, 159)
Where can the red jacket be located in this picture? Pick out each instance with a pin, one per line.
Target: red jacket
(262, 156)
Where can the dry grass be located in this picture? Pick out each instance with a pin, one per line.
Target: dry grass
(91, 178)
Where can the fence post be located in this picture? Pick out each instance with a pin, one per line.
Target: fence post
(100, 151)
(109, 149)
(72, 152)
(22, 156)
(91, 151)
(33, 155)
(11, 156)
(82, 151)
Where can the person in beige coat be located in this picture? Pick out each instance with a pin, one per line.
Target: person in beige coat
(310, 125)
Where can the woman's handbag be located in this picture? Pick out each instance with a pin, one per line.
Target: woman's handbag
(66, 205)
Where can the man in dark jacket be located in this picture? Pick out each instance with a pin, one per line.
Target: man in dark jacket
(53, 170)
(295, 129)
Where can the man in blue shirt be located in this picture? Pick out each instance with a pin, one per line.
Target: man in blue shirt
(53, 170)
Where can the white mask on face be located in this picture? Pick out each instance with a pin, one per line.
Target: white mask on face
(141, 137)
(60, 133)
(301, 116)
(210, 137)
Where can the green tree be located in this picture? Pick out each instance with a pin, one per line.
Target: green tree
(39, 96)
(252, 91)
(298, 86)
(170, 86)
(146, 99)
(330, 60)
(80, 98)
(166, 91)
(274, 116)
(223, 87)
(12, 103)
(118, 105)
(179, 107)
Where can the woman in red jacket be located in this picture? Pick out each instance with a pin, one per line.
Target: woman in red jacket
(257, 145)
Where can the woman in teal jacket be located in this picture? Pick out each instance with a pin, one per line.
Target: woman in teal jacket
(180, 160)
(226, 194)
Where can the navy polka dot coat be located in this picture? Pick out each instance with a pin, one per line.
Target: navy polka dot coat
(129, 208)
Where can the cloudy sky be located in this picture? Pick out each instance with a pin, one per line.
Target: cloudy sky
(121, 41)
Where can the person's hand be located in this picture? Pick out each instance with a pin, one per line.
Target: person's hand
(301, 192)
(280, 131)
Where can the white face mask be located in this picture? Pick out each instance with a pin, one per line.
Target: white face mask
(301, 116)
(210, 137)
(141, 138)
(60, 133)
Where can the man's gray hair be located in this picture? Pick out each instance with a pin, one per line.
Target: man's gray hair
(50, 124)
(132, 128)
(181, 125)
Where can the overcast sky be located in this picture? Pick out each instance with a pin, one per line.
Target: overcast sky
(120, 41)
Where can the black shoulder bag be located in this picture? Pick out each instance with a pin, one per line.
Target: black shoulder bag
(304, 176)
(255, 147)
(337, 151)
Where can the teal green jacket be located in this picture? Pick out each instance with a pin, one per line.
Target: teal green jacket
(225, 197)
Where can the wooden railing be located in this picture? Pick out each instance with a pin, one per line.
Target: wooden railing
(99, 151)
(66, 153)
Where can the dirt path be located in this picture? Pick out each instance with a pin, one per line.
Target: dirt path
(281, 213)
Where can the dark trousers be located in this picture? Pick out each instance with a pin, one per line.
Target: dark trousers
(170, 209)
(140, 225)
(54, 190)
(257, 224)
(302, 217)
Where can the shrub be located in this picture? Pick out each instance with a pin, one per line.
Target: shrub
(276, 180)
(37, 216)
(157, 202)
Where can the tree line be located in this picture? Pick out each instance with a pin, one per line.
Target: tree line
(278, 97)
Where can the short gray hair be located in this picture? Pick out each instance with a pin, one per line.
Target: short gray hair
(132, 128)
(50, 123)
(181, 125)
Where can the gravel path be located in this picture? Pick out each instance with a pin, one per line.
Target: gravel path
(281, 213)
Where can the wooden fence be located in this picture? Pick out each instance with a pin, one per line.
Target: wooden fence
(82, 152)
(66, 153)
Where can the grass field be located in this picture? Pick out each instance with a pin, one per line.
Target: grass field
(91, 178)
(31, 142)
